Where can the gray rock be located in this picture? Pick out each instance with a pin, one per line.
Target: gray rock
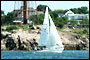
(10, 44)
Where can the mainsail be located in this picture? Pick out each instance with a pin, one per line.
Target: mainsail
(49, 35)
(45, 31)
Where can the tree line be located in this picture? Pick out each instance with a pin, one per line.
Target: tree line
(59, 21)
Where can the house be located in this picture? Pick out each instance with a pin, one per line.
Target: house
(72, 16)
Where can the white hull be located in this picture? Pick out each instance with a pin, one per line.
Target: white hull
(48, 50)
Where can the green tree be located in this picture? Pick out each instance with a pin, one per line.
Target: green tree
(60, 22)
(80, 10)
(75, 10)
(3, 20)
(85, 22)
(42, 8)
(37, 18)
(2, 13)
(73, 22)
(84, 10)
(34, 18)
(10, 18)
(3, 16)
(41, 18)
(56, 12)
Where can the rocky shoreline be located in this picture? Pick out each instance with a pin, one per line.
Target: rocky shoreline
(28, 40)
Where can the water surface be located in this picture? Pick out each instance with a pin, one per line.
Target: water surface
(66, 54)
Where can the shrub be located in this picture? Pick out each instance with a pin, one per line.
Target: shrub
(85, 31)
(60, 25)
(13, 27)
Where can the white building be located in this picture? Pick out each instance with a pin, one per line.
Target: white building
(72, 16)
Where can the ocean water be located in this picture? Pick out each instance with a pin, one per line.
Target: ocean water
(66, 54)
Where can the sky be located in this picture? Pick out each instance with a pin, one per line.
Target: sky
(8, 6)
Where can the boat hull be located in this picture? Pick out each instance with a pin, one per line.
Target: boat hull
(52, 50)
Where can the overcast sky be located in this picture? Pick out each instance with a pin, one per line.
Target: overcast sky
(8, 6)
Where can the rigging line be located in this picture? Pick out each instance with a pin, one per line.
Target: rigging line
(32, 11)
(28, 4)
(18, 10)
(36, 12)
(32, 4)
(35, 5)
(14, 5)
(22, 8)
(18, 5)
(22, 12)
(29, 8)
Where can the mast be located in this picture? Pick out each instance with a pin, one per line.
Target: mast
(25, 4)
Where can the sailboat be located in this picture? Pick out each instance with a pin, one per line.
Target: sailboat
(49, 36)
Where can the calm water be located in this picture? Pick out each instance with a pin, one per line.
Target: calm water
(67, 54)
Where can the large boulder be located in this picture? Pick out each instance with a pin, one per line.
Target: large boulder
(10, 44)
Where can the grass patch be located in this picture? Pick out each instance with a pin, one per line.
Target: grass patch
(82, 32)
(62, 30)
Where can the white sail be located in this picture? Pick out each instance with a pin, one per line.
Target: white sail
(54, 37)
(49, 36)
(45, 30)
